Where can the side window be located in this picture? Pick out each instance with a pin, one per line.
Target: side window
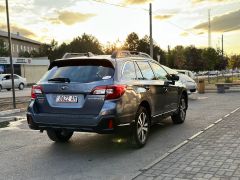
(128, 72)
(138, 73)
(7, 77)
(159, 72)
(16, 77)
(146, 70)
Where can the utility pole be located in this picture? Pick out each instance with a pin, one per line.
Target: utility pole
(209, 28)
(10, 55)
(222, 47)
(150, 20)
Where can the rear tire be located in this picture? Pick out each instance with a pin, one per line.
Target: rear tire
(59, 135)
(141, 128)
(21, 86)
(8, 89)
(180, 116)
(0, 88)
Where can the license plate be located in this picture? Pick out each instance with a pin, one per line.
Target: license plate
(66, 99)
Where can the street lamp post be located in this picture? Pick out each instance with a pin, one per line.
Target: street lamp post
(10, 55)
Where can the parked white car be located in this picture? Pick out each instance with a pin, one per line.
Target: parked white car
(186, 72)
(6, 82)
(190, 84)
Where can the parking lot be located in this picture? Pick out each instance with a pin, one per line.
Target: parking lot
(27, 154)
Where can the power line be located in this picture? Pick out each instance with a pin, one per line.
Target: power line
(119, 5)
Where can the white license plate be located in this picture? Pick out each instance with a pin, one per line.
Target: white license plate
(66, 99)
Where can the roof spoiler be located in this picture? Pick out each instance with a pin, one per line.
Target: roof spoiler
(70, 55)
(122, 54)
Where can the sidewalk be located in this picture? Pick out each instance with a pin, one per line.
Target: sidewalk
(214, 154)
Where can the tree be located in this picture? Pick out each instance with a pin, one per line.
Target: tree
(194, 61)
(210, 58)
(131, 42)
(179, 57)
(85, 43)
(24, 54)
(3, 49)
(234, 62)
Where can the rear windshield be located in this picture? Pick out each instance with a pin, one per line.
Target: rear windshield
(80, 73)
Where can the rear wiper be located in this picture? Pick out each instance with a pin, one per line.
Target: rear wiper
(60, 79)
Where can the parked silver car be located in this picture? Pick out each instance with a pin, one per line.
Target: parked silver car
(6, 82)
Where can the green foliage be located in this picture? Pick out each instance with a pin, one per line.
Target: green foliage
(3, 49)
(228, 80)
(234, 61)
(24, 54)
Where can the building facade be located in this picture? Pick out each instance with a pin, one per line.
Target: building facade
(20, 43)
(30, 68)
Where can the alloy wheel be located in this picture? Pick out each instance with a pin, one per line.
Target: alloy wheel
(142, 127)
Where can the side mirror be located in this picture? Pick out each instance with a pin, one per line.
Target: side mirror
(174, 77)
(3, 79)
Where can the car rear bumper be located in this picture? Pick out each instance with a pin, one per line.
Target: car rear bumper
(83, 123)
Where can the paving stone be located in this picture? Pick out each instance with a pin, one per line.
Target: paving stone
(214, 155)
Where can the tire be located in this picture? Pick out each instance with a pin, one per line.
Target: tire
(180, 116)
(141, 128)
(0, 88)
(59, 135)
(21, 86)
(8, 89)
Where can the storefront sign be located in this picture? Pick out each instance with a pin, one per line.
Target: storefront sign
(41, 61)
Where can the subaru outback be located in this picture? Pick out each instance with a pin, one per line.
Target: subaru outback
(106, 94)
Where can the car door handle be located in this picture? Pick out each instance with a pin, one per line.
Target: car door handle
(165, 89)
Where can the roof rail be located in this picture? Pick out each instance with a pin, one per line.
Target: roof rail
(122, 54)
(70, 55)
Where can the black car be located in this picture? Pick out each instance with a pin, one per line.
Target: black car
(106, 94)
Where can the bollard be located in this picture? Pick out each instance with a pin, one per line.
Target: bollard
(201, 86)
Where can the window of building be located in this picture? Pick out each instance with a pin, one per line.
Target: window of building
(128, 72)
(17, 47)
(146, 70)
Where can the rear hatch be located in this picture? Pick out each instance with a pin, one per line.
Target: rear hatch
(66, 88)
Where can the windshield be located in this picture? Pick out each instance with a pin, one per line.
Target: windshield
(79, 74)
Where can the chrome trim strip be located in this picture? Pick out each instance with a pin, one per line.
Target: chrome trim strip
(164, 113)
(126, 124)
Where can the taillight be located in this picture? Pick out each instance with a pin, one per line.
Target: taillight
(110, 92)
(36, 89)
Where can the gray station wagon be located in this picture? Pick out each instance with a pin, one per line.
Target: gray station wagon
(106, 94)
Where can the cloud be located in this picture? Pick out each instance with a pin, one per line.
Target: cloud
(132, 2)
(163, 17)
(200, 1)
(15, 28)
(184, 34)
(226, 22)
(70, 18)
(2, 8)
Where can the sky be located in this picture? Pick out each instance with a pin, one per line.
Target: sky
(175, 22)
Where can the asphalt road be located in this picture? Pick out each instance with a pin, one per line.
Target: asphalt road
(19, 93)
(27, 154)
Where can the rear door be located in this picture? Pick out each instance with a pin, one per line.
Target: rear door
(155, 88)
(68, 84)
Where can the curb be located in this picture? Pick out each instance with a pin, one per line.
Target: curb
(11, 111)
(169, 152)
(10, 118)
